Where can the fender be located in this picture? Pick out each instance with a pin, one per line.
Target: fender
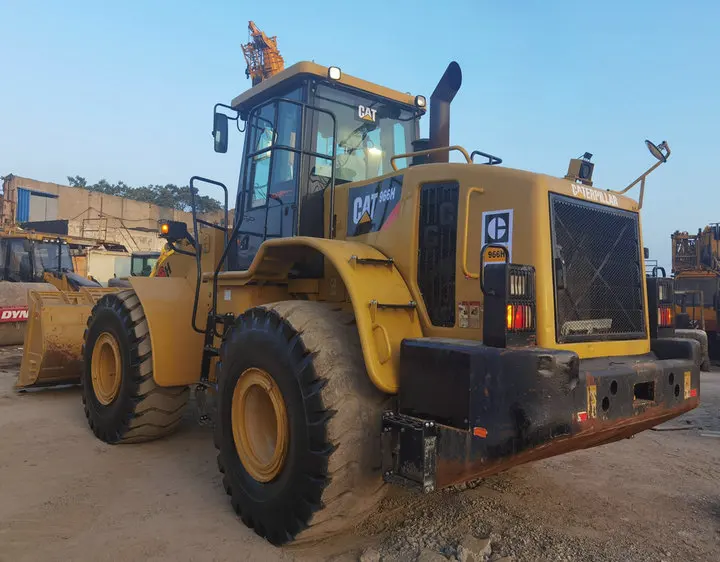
(371, 286)
(177, 348)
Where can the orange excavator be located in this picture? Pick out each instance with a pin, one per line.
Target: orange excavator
(261, 55)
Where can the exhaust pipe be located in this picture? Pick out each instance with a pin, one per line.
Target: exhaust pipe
(440, 111)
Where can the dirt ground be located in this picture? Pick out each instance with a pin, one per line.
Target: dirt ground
(66, 496)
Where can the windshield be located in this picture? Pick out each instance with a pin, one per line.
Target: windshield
(142, 266)
(46, 257)
(369, 132)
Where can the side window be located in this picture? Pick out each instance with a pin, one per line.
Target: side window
(259, 176)
(19, 266)
(400, 145)
(262, 136)
(273, 171)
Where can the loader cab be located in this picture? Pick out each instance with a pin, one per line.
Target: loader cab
(306, 132)
(26, 260)
(142, 263)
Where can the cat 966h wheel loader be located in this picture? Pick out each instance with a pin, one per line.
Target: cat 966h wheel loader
(379, 315)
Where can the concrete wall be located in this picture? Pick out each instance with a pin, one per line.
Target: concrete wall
(98, 216)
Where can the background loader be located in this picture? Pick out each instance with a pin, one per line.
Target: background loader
(142, 264)
(52, 353)
(31, 260)
(380, 316)
(696, 269)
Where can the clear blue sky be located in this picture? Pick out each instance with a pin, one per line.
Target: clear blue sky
(124, 90)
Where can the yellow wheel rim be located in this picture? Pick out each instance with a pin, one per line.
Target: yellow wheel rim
(106, 368)
(259, 424)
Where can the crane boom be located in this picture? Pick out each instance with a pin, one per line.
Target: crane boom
(261, 55)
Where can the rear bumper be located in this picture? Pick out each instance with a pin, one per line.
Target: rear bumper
(466, 410)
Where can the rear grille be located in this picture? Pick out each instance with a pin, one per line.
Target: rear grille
(597, 272)
(437, 247)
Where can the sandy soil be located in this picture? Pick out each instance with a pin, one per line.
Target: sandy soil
(66, 496)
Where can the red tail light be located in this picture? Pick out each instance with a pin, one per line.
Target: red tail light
(519, 317)
(664, 316)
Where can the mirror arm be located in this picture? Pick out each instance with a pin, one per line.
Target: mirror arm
(641, 180)
(235, 111)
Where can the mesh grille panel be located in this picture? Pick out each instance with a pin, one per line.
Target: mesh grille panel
(598, 291)
(437, 248)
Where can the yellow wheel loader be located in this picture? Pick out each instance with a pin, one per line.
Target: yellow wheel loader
(378, 315)
(52, 353)
(32, 260)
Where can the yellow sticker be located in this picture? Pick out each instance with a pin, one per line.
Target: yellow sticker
(687, 385)
(592, 401)
(494, 255)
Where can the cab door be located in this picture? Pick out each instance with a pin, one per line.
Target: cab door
(270, 176)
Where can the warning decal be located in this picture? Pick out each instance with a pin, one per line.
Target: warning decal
(469, 314)
(497, 228)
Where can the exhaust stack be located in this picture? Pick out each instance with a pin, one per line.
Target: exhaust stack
(440, 111)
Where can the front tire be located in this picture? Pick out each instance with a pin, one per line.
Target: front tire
(315, 467)
(121, 400)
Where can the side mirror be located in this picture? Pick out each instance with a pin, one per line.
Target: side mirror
(660, 151)
(220, 132)
(646, 253)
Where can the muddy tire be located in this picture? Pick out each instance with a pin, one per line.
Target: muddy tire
(122, 402)
(331, 476)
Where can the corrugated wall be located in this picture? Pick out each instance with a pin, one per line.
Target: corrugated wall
(22, 212)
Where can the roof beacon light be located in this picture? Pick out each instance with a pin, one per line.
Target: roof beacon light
(334, 73)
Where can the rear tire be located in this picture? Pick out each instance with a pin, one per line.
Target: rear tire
(331, 476)
(133, 409)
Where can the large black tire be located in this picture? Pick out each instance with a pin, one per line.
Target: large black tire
(141, 410)
(332, 476)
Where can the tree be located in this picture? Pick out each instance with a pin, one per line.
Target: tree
(169, 195)
(77, 181)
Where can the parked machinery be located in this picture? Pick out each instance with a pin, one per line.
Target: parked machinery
(378, 315)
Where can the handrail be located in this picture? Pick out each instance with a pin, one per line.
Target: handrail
(431, 151)
(466, 272)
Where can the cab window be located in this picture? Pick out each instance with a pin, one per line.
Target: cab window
(272, 168)
(369, 132)
(19, 266)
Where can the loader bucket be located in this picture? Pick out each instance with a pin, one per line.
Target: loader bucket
(14, 309)
(53, 343)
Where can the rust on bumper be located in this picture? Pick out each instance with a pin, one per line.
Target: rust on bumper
(467, 411)
(457, 466)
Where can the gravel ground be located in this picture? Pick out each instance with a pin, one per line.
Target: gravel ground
(66, 496)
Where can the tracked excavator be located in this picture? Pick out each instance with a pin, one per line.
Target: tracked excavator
(380, 316)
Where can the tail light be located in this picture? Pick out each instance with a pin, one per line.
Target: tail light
(661, 300)
(665, 319)
(509, 308)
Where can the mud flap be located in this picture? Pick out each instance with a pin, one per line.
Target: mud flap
(52, 352)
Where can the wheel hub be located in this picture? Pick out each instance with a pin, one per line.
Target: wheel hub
(106, 368)
(259, 424)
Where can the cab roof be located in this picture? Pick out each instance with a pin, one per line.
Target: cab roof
(250, 98)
